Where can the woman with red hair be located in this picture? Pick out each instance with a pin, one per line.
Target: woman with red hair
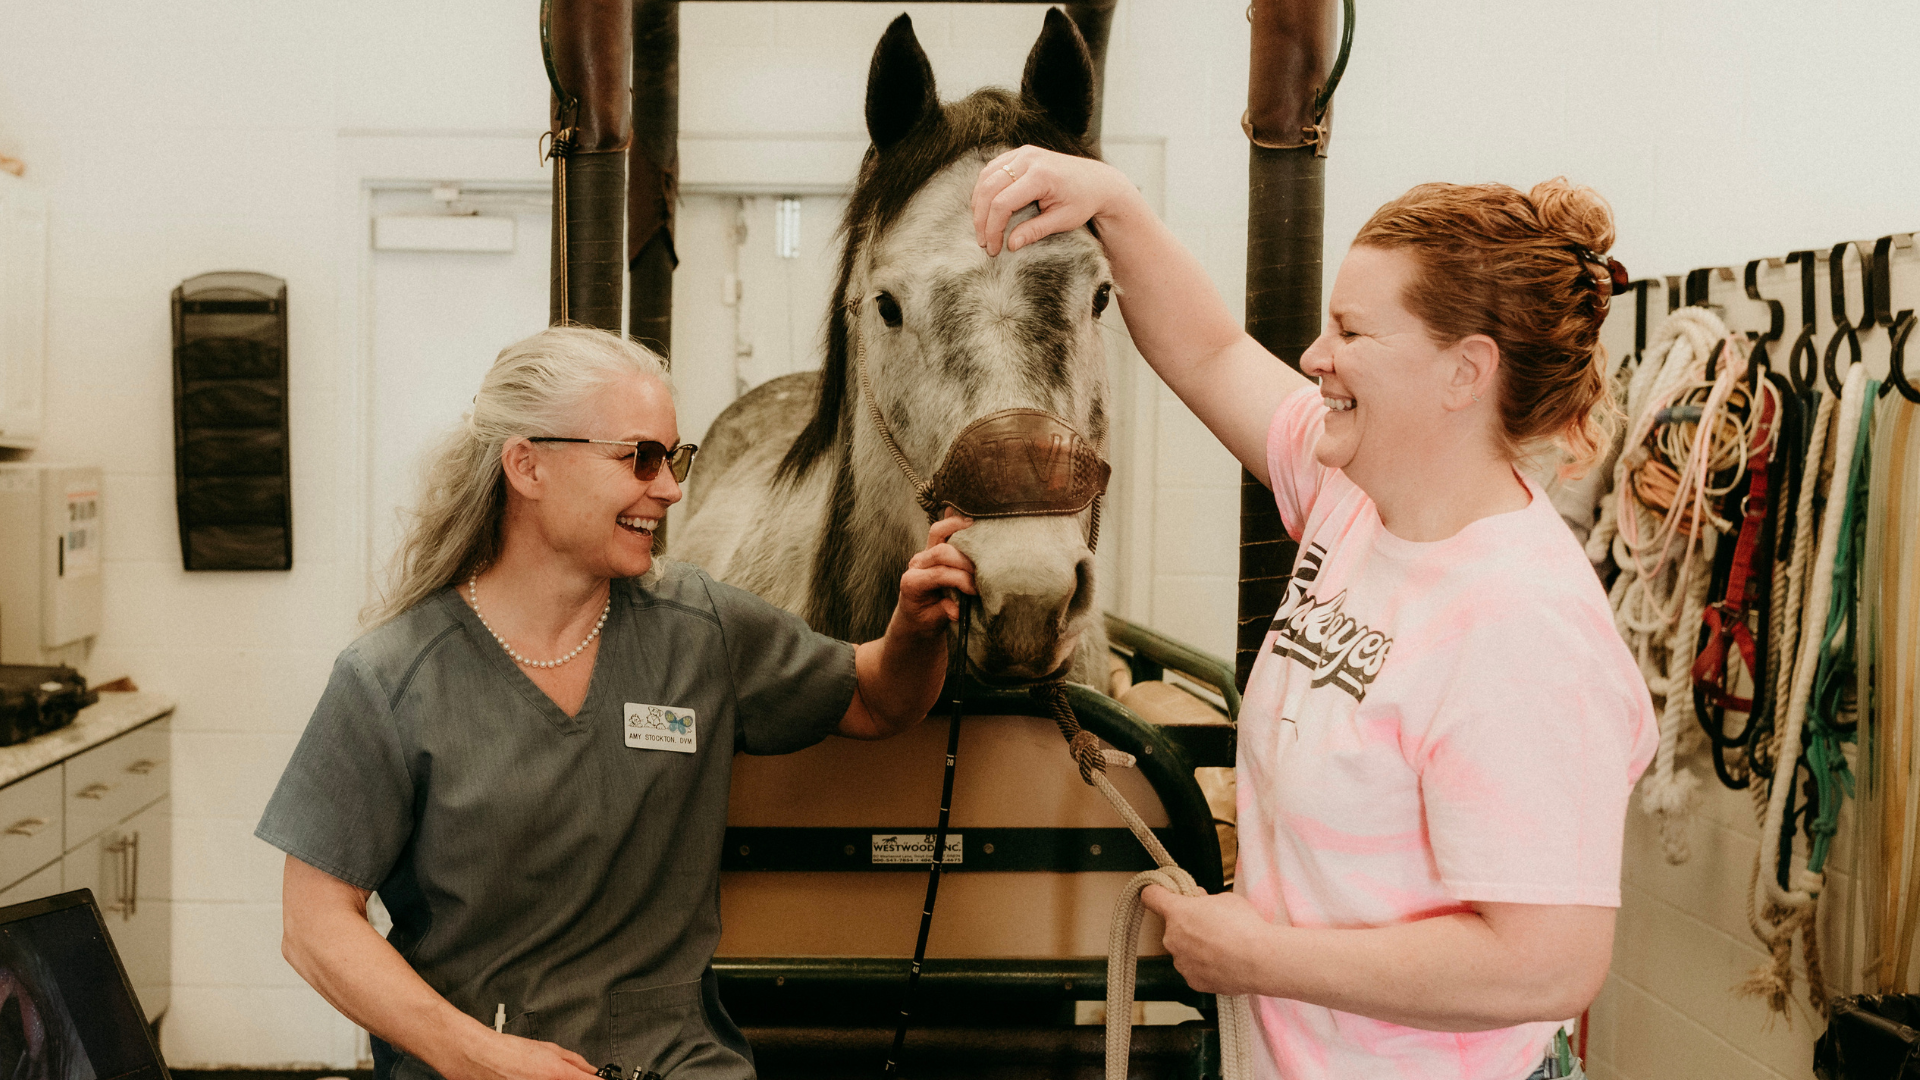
(1438, 741)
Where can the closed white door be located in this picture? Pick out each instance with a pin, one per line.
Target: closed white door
(750, 297)
(438, 319)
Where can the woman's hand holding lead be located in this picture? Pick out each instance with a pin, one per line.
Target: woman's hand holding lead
(1214, 939)
(927, 603)
(1070, 190)
(900, 674)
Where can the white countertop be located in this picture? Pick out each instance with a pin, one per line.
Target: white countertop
(115, 714)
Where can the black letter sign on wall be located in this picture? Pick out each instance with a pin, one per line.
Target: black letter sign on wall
(231, 468)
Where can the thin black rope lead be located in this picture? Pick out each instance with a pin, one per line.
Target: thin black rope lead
(1324, 97)
(956, 669)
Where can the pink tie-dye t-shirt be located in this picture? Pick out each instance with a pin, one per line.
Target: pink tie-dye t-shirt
(1428, 724)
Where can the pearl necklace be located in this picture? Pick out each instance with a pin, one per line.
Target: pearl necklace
(473, 594)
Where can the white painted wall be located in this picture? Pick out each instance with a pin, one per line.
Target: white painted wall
(178, 139)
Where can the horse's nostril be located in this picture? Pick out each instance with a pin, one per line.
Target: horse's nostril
(1082, 597)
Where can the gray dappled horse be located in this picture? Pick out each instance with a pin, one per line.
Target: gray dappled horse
(798, 497)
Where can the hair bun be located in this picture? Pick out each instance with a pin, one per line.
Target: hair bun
(1575, 212)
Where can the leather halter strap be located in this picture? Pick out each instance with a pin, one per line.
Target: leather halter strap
(922, 491)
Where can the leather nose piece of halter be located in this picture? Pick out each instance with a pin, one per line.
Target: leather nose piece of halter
(1019, 463)
(1013, 463)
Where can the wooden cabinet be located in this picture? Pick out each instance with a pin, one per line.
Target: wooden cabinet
(32, 825)
(23, 311)
(101, 818)
(127, 865)
(44, 882)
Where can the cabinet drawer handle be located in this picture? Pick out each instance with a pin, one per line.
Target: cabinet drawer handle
(143, 766)
(95, 790)
(128, 848)
(27, 826)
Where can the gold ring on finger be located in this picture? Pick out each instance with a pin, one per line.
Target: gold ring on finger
(1008, 169)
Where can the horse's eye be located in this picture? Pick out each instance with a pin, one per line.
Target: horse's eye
(1100, 298)
(889, 308)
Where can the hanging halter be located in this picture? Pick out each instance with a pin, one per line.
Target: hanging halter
(1012, 463)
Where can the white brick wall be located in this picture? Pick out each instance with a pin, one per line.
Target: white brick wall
(1682, 943)
(175, 140)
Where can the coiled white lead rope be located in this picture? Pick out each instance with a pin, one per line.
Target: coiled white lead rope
(1123, 948)
(1661, 590)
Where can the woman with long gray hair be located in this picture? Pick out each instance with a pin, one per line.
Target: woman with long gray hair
(528, 756)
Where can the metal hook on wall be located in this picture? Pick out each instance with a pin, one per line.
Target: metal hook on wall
(1802, 383)
(1899, 327)
(1844, 325)
(1640, 289)
(1880, 283)
(1776, 322)
(1837, 284)
(1713, 358)
(1776, 312)
(1896, 359)
(1698, 282)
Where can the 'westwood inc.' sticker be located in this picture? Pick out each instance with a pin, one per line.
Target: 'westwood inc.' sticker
(912, 848)
(660, 727)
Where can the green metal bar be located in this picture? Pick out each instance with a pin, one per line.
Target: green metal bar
(1181, 657)
(1167, 766)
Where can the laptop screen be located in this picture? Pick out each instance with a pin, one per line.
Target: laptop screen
(66, 1010)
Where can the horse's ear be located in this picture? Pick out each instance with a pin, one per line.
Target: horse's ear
(899, 85)
(1059, 75)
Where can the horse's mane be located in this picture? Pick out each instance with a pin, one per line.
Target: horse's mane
(989, 117)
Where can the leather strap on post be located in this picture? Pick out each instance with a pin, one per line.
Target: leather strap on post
(1287, 95)
(588, 49)
(587, 46)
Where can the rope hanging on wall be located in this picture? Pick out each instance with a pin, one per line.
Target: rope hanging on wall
(1791, 898)
(1655, 526)
(1782, 507)
(1811, 626)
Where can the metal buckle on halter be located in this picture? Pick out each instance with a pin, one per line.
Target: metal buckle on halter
(1019, 463)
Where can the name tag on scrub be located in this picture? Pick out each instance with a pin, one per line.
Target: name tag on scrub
(660, 727)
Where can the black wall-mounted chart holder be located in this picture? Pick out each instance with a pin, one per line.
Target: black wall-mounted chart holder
(232, 470)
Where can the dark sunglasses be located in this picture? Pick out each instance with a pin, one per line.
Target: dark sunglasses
(647, 456)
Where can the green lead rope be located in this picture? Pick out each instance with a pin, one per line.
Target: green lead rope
(1835, 673)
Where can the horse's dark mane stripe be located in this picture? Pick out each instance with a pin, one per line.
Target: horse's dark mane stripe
(990, 117)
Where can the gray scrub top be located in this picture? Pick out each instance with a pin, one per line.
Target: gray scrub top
(560, 865)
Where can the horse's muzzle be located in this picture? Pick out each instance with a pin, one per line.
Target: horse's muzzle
(1036, 593)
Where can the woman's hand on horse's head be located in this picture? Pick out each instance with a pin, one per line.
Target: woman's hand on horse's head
(1070, 190)
(934, 575)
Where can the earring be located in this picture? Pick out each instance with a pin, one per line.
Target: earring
(1476, 397)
